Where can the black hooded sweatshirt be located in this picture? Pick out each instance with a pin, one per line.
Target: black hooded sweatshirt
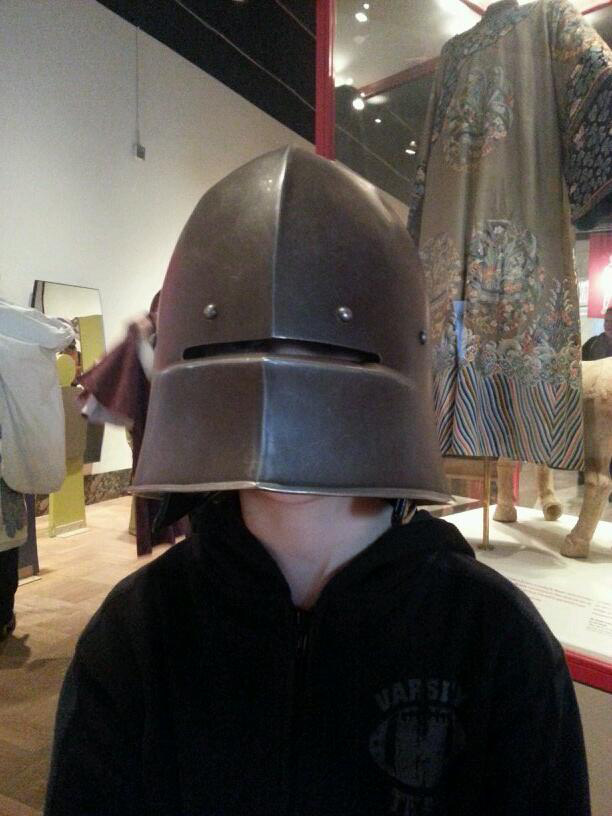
(421, 683)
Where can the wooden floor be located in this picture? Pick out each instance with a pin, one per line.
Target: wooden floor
(76, 575)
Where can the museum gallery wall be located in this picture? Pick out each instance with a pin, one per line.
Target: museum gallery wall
(79, 208)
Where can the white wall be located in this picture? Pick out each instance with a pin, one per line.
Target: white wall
(75, 205)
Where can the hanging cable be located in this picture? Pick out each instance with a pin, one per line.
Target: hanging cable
(233, 45)
(139, 150)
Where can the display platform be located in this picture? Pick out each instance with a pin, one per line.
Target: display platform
(574, 596)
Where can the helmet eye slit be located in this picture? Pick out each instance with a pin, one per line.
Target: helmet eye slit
(285, 348)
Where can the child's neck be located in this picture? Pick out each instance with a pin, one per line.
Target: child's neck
(312, 537)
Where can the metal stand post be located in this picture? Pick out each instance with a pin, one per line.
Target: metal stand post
(486, 504)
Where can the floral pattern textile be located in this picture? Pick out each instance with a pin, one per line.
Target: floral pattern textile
(517, 142)
(589, 163)
(503, 278)
(504, 285)
(545, 353)
(483, 35)
(479, 116)
(585, 94)
(442, 269)
(572, 36)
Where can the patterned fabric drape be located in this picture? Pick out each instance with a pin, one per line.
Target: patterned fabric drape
(517, 143)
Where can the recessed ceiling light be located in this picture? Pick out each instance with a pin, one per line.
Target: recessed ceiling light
(366, 6)
(361, 17)
(412, 143)
(358, 103)
(378, 121)
(362, 94)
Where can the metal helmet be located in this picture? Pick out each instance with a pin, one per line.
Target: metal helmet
(292, 345)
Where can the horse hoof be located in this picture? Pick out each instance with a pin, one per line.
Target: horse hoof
(505, 513)
(552, 510)
(575, 547)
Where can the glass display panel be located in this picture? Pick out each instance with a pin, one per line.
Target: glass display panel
(385, 59)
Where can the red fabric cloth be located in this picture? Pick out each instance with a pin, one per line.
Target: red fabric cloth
(119, 383)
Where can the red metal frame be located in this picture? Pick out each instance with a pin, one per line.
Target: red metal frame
(473, 7)
(598, 7)
(589, 671)
(325, 113)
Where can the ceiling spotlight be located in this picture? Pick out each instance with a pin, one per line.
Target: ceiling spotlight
(358, 103)
(362, 94)
(410, 151)
(378, 121)
(361, 17)
(366, 6)
(412, 143)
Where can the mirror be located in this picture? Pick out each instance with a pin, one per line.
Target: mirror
(67, 301)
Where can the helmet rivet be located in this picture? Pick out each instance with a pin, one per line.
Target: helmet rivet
(210, 311)
(422, 337)
(344, 313)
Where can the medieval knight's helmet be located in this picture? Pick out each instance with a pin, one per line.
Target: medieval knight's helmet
(292, 345)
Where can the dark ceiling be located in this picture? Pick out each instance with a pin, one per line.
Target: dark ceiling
(262, 49)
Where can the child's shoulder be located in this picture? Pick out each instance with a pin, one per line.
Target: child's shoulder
(477, 588)
(147, 587)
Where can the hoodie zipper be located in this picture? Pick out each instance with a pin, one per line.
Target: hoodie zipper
(300, 666)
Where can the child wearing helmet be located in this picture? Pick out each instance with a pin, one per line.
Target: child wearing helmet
(319, 646)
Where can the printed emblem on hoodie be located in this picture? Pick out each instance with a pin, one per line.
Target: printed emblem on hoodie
(416, 740)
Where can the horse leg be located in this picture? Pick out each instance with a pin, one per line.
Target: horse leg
(551, 506)
(597, 481)
(505, 509)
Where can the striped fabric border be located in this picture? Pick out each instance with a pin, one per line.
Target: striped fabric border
(498, 416)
